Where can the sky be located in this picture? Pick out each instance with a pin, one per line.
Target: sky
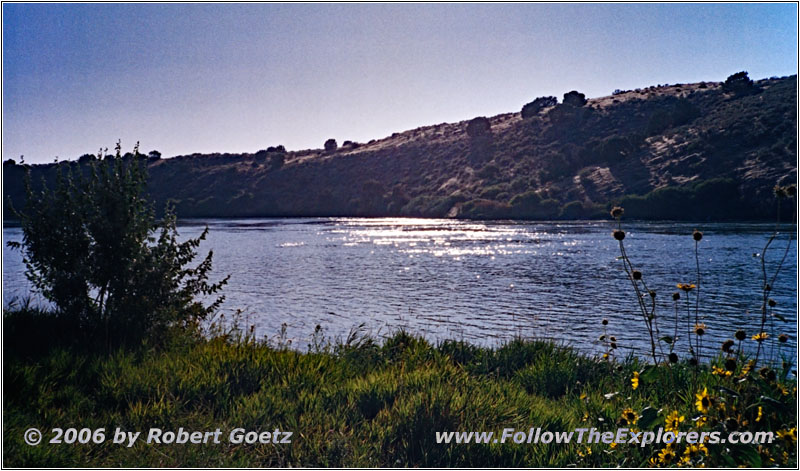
(186, 78)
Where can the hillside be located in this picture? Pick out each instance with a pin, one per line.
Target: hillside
(688, 151)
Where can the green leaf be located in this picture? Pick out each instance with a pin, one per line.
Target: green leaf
(648, 416)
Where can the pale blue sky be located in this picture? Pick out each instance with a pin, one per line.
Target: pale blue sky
(238, 78)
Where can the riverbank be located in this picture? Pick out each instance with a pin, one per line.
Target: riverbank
(362, 402)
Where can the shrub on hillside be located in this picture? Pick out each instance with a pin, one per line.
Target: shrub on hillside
(93, 248)
(331, 145)
(575, 99)
(533, 108)
(479, 127)
(739, 84)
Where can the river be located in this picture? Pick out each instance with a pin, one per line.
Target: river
(482, 282)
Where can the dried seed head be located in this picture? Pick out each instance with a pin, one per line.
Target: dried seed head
(619, 235)
(727, 346)
(697, 235)
(673, 357)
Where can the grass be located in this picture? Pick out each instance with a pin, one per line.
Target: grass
(368, 403)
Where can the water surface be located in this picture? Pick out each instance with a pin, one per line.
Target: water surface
(481, 282)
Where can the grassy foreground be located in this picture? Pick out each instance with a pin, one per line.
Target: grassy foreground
(360, 403)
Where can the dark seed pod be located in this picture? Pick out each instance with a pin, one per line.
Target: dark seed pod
(740, 335)
(637, 275)
(772, 303)
(731, 424)
(697, 235)
(730, 364)
(676, 296)
(673, 357)
(783, 338)
(727, 346)
(619, 235)
(605, 321)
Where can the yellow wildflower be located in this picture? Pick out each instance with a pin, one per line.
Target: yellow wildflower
(760, 337)
(789, 436)
(715, 370)
(667, 455)
(701, 421)
(673, 421)
(758, 417)
(629, 417)
(704, 401)
(746, 369)
(700, 329)
(635, 380)
(686, 287)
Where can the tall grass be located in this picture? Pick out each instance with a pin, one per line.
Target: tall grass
(362, 402)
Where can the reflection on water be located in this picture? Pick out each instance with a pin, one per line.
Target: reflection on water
(480, 282)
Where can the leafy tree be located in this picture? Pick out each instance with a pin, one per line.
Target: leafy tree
(479, 127)
(533, 108)
(154, 154)
(86, 158)
(331, 145)
(575, 99)
(738, 83)
(92, 246)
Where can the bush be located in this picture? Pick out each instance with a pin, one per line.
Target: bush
(484, 209)
(277, 160)
(92, 247)
(478, 127)
(533, 108)
(738, 83)
(530, 205)
(331, 145)
(575, 99)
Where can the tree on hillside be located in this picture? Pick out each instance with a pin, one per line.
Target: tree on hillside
(533, 108)
(478, 127)
(575, 99)
(739, 83)
(86, 158)
(92, 246)
(331, 145)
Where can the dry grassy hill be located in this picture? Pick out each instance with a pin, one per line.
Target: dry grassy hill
(684, 151)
